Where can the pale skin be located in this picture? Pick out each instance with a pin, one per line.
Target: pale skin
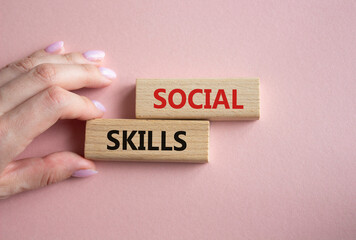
(35, 92)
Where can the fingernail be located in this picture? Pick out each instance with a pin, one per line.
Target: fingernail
(107, 72)
(99, 106)
(94, 55)
(84, 173)
(54, 47)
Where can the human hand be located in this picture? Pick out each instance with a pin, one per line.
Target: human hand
(34, 94)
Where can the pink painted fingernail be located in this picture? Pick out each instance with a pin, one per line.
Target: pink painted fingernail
(107, 72)
(84, 173)
(54, 47)
(94, 55)
(99, 106)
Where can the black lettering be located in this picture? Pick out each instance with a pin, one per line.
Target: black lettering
(142, 140)
(181, 141)
(150, 147)
(163, 139)
(112, 139)
(128, 140)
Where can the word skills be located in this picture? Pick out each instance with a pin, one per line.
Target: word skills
(147, 140)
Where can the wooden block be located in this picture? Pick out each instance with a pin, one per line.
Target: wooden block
(212, 99)
(147, 140)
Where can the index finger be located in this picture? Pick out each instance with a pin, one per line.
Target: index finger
(52, 54)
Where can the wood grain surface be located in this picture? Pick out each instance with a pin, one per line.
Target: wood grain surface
(151, 140)
(211, 99)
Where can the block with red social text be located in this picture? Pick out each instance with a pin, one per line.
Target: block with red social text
(147, 140)
(210, 99)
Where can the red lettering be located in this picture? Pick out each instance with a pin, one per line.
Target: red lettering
(207, 98)
(234, 100)
(220, 99)
(170, 98)
(159, 98)
(221, 93)
(190, 99)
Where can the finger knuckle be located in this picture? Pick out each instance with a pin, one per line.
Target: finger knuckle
(56, 96)
(2, 99)
(87, 101)
(69, 57)
(45, 73)
(89, 69)
(49, 177)
(4, 130)
(73, 57)
(24, 65)
(4, 190)
(46, 179)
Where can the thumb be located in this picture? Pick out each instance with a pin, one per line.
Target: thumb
(32, 173)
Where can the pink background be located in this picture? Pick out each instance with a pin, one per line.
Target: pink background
(290, 175)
